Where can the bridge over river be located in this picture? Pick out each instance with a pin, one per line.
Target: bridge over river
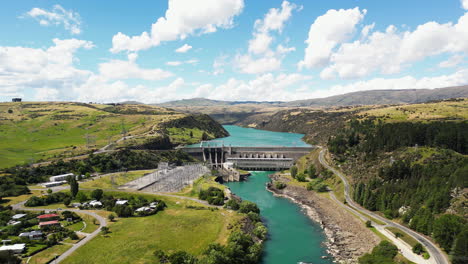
(248, 158)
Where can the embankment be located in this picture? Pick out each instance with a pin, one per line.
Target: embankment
(347, 237)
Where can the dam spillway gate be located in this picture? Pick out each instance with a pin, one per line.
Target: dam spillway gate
(249, 158)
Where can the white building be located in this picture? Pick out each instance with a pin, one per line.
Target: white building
(33, 235)
(61, 177)
(53, 184)
(95, 203)
(16, 248)
(18, 216)
(121, 202)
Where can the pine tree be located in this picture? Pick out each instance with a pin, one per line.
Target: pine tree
(74, 188)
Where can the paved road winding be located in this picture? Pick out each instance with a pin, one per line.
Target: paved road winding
(437, 256)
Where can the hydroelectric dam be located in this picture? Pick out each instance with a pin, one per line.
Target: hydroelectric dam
(266, 158)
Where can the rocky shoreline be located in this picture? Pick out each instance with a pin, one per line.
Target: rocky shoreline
(347, 237)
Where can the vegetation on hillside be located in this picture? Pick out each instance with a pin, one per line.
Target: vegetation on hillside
(416, 183)
(31, 132)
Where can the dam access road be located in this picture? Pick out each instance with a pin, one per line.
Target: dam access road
(437, 255)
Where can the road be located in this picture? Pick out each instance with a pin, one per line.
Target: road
(102, 222)
(437, 256)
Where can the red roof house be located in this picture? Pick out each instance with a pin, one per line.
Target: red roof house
(48, 217)
(49, 223)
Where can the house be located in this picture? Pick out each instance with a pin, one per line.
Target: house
(61, 177)
(33, 235)
(95, 203)
(53, 184)
(76, 204)
(16, 248)
(144, 209)
(15, 100)
(18, 216)
(121, 202)
(153, 205)
(49, 223)
(12, 222)
(48, 217)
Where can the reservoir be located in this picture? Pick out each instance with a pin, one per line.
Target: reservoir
(293, 237)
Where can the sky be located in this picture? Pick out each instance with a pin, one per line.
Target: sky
(262, 50)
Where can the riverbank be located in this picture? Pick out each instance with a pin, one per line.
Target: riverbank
(347, 237)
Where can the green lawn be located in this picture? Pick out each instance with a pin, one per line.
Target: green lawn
(90, 226)
(49, 254)
(16, 199)
(76, 226)
(133, 240)
(113, 180)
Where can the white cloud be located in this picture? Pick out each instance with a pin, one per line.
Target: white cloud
(407, 82)
(274, 20)
(184, 48)
(464, 4)
(266, 87)
(247, 64)
(452, 61)
(174, 63)
(182, 19)
(53, 68)
(46, 94)
(261, 58)
(389, 51)
(218, 64)
(178, 63)
(328, 31)
(120, 69)
(57, 16)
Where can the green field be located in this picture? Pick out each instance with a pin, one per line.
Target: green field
(133, 240)
(446, 110)
(113, 180)
(49, 254)
(33, 131)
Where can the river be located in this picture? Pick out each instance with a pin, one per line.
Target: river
(293, 237)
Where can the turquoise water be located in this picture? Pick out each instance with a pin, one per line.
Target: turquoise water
(293, 237)
(248, 137)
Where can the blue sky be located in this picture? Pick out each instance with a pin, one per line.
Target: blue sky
(156, 51)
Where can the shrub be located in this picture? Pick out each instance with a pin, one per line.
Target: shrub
(280, 185)
(111, 217)
(255, 217)
(418, 248)
(301, 177)
(232, 204)
(368, 223)
(293, 171)
(247, 206)
(322, 187)
(97, 194)
(260, 231)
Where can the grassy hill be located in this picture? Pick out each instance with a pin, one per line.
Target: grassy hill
(33, 131)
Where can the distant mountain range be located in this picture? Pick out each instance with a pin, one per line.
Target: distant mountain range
(209, 102)
(373, 97)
